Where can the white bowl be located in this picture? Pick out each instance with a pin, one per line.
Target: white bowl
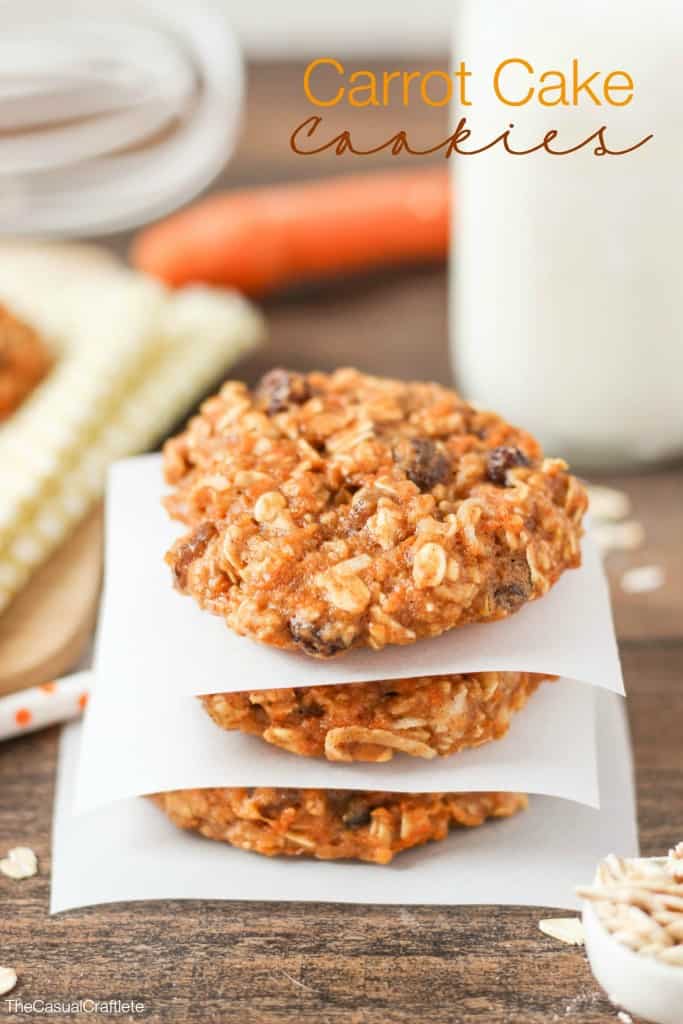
(640, 984)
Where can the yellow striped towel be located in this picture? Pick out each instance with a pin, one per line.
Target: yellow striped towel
(132, 358)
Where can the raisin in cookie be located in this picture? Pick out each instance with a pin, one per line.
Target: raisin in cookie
(24, 361)
(422, 717)
(327, 512)
(330, 824)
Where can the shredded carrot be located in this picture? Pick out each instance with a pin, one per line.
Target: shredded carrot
(259, 240)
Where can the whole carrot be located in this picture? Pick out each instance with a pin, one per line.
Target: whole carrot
(261, 239)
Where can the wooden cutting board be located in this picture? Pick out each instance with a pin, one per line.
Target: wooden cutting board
(47, 628)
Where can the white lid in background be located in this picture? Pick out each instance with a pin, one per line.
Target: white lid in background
(112, 112)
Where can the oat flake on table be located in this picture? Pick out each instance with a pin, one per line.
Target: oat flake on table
(20, 862)
(8, 979)
(565, 929)
(626, 536)
(607, 502)
(643, 579)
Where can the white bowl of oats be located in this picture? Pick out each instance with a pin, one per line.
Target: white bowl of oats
(633, 927)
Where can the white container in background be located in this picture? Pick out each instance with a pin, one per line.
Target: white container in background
(567, 271)
(112, 112)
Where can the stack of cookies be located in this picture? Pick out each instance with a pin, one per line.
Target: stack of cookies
(325, 513)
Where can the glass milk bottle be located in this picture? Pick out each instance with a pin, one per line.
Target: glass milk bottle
(567, 271)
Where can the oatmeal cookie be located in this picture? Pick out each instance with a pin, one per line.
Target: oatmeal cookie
(24, 361)
(326, 512)
(422, 717)
(330, 824)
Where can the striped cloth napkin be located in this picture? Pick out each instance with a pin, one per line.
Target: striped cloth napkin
(131, 358)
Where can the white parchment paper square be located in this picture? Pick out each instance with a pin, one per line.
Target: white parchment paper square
(155, 636)
(130, 851)
(135, 743)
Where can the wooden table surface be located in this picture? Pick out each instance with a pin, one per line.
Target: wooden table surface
(263, 963)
